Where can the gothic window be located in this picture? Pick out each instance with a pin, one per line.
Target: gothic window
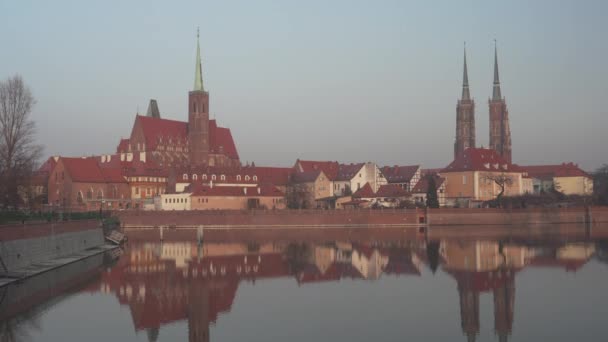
(99, 194)
(90, 194)
(79, 199)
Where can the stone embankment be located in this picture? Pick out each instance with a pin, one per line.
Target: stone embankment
(269, 219)
(28, 249)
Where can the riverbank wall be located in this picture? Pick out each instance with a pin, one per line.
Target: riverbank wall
(226, 219)
(49, 287)
(27, 244)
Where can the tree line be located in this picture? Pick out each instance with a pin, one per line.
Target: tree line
(19, 153)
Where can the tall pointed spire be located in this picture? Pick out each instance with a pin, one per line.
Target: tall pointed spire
(496, 92)
(465, 78)
(198, 72)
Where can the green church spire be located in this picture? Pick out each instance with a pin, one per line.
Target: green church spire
(198, 72)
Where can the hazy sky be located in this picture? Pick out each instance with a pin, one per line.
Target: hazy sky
(339, 80)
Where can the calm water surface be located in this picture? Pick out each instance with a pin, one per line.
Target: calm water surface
(463, 289)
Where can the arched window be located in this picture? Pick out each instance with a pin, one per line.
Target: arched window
(255, 178)
(238, 177)
(114, 191)
(90, 194)
(204, 177)
(246, 178)
(99, 194)
(185, 176)
(79, 198)
(213, 177)
(222, 177)
(194, 176)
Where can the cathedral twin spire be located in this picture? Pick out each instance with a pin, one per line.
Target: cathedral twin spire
(496, 91)
(465, 79)
(496, 94)
(500, 135)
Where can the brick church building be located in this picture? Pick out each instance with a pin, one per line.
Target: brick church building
(500, 132)
(170, 143)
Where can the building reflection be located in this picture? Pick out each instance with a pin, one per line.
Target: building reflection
(170, 282)
(163, 283)
(491, 266)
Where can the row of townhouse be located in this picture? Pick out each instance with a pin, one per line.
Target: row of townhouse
(102, 182)
(478, 175)
(129, 181)
(329, 184)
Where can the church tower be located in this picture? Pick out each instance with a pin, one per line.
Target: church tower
(198, 116)
(500, 133)
(465, 116)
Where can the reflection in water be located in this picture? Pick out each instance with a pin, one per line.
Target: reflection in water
(168, 282)
(163, 283)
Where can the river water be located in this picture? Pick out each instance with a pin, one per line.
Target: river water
(459, 289)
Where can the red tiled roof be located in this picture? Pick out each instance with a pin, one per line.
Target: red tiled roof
(398, 174)
(48, 165)
(391, 191)
(123, 145)
(355, 202)
(329, 168)
(365, 192)
(272, 175)
(550, 171)
(423, 184)
(306, 176)
(481, 159)
(348, 171)
(220, 138)
(154, 128)
(277, 176)
(87, 170)
(135, 167)
(237, 191)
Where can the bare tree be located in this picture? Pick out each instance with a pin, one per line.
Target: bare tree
(18, 150)
(502, 180)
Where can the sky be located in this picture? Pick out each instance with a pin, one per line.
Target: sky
(327, 80)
